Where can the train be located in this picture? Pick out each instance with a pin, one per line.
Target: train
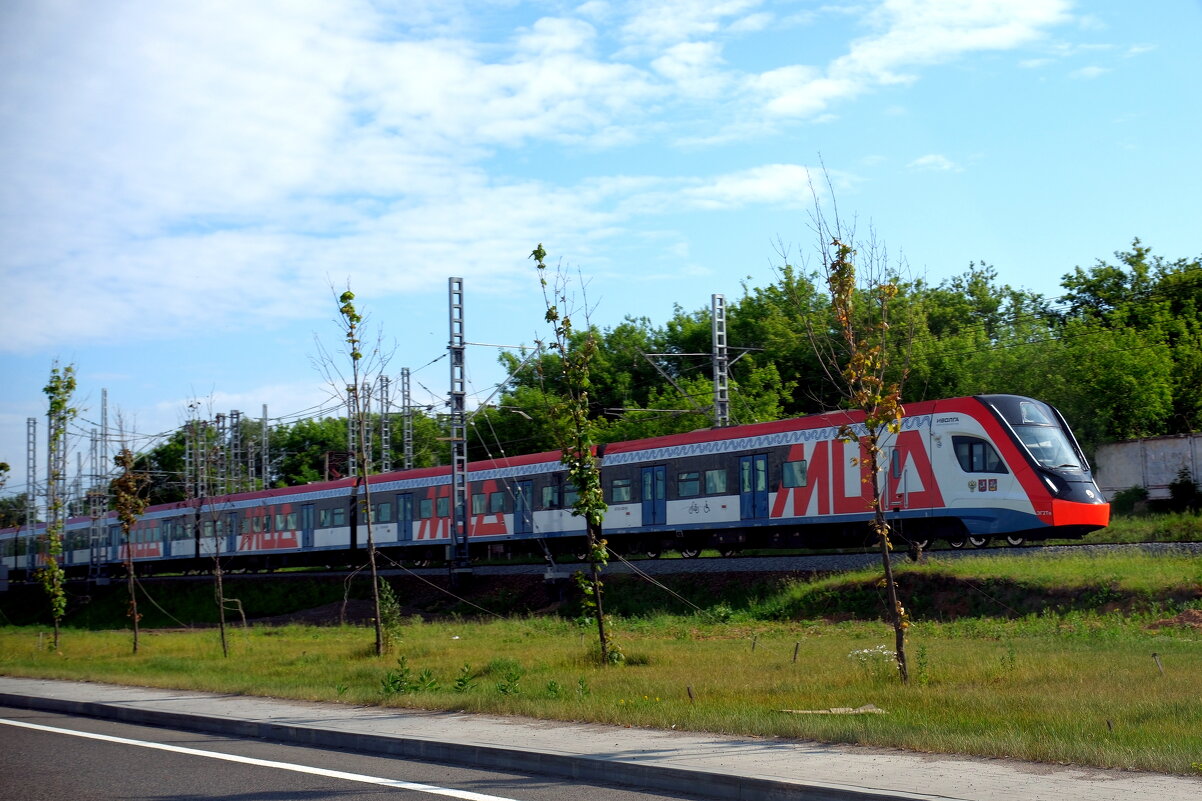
(962, 470)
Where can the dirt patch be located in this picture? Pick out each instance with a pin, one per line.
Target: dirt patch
(1190, 618)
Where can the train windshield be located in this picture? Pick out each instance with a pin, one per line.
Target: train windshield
(1040, 429)
(1049, 446)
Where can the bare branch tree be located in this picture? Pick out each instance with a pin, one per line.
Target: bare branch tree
(858, 356)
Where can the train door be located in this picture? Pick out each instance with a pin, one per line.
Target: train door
(753, 486)
(404, 516)
(655, 495)
(306, 525)
(523, 508)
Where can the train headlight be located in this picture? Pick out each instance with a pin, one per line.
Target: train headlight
(1051, 485)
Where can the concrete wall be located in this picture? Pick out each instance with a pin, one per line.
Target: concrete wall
(1152, 463)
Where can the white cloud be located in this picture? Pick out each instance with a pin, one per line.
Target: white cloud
(907, 34)
(771, 184)
(695, 68)
(661, 23)
(1089, 73)
(934, 162)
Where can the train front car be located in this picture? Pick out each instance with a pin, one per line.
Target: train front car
(1055, 474)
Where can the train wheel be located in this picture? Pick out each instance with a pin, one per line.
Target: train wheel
(728, 552)
(1015, 541)
(690, 553)
(978, 542)
(653, 554)
(956, 543)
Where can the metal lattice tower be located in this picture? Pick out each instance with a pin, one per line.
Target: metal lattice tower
(31, 476)
(407, 417)
(385, 426)
(217, 449)
(265, 437)
(459, 549)
(96, 505)
(352, 430)
(234, 454)
(56, 473)
(721, 362)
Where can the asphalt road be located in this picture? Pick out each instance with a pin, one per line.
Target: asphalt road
(49, 757)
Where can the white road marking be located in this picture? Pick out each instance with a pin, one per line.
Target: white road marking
(267, 763)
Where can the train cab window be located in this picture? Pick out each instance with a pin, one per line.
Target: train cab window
(977, 456)
(715, 482)
(384, 512)
(793, 474)
(620, 491)
(479, 503)
(551, 497)
(425, 508)
(444, 507)
(496, 503)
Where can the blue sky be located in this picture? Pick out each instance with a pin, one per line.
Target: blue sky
(186, 183)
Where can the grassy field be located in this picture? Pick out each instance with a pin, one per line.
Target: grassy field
(1060, 684)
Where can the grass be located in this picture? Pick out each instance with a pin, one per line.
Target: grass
(1076, 685)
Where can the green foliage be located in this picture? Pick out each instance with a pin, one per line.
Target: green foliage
(1183, 492)
(399, 680)
(13, 510)
(392, 619)
(465, 680)
(1124, 501)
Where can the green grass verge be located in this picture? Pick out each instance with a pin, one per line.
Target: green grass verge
(1057, 684)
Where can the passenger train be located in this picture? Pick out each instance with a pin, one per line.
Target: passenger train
(960, 470)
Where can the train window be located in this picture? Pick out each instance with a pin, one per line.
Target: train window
(793, 474)
(895, 463)
(384, 512)
(551, 497)
(208, 528)
(977, 456)
(425, 508)
(444, 506)
(570, 496)
(478, 503)
(620, 491)
(715, 482)
(496, 503)
(688, 484)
